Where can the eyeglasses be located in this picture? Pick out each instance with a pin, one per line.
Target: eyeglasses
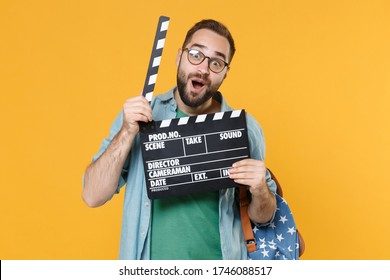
(196, 57)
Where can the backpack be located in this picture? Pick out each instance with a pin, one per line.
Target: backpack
(280, 240)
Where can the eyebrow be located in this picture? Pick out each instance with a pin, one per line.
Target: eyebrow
(204, 47)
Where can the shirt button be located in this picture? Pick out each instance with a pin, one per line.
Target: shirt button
(147, 204)
(143, 233)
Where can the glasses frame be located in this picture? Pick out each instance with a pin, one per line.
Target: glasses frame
(204, 57)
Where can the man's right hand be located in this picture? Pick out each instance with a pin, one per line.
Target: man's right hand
(136, 109)
(102, 176)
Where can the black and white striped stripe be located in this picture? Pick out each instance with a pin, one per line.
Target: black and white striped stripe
(155, 58)
(199, 118)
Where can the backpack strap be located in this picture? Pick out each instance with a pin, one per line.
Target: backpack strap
(250, 240)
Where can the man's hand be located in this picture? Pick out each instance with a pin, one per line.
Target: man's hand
(102, 176)
(136, 109)
(252, 173)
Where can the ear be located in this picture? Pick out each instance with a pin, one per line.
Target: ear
(179, 52)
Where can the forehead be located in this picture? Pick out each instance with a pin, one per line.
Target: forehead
(212, 43)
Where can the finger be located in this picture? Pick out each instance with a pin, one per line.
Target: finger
(137, 107)
(137, 117)
(245, 174)
(253, 169)
(247, 182)
(253, 177)
(248, 162)
(142, 98)
(131, 113)
(137, 102)
(142, 118)
(245, 169)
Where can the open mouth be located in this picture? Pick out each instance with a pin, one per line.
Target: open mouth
(196, 84)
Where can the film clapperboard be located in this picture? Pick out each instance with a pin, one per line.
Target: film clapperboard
(190, 154)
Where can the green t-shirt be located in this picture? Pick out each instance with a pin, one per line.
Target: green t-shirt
(186, 227)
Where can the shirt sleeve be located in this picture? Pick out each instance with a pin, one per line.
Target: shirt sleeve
(257, 151)
(257, 146)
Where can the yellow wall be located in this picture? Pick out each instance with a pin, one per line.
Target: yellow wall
(315, 74)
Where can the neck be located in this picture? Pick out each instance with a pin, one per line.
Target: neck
(209, 107)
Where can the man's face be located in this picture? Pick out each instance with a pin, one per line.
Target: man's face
(197, 83)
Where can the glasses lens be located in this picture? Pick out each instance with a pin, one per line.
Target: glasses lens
(216, 65)
(195, 57)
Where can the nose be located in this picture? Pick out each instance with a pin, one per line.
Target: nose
(204, 67)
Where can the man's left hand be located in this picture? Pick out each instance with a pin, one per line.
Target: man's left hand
(250, 172)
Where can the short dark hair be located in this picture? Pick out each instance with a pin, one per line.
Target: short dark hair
(215, 26)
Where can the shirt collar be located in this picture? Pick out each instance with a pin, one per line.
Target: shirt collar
(166, 96)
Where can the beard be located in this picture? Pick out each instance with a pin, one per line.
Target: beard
(190, 99)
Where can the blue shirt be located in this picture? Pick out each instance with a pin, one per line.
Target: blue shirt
(135, 235)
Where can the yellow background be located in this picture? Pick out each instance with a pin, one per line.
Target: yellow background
(315, 74)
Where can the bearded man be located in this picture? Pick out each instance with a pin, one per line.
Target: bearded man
(204, 225)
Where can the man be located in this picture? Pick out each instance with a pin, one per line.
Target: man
(200, 226)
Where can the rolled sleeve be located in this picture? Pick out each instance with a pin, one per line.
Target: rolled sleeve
(257, 147)
(257, 151)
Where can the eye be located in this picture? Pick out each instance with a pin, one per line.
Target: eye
(216, 63)
(196, 54)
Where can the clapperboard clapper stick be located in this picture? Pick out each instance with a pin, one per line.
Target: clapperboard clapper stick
(154, 64)
(191, 154)
(155, 57)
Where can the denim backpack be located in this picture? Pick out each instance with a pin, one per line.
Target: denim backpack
(280, 240)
